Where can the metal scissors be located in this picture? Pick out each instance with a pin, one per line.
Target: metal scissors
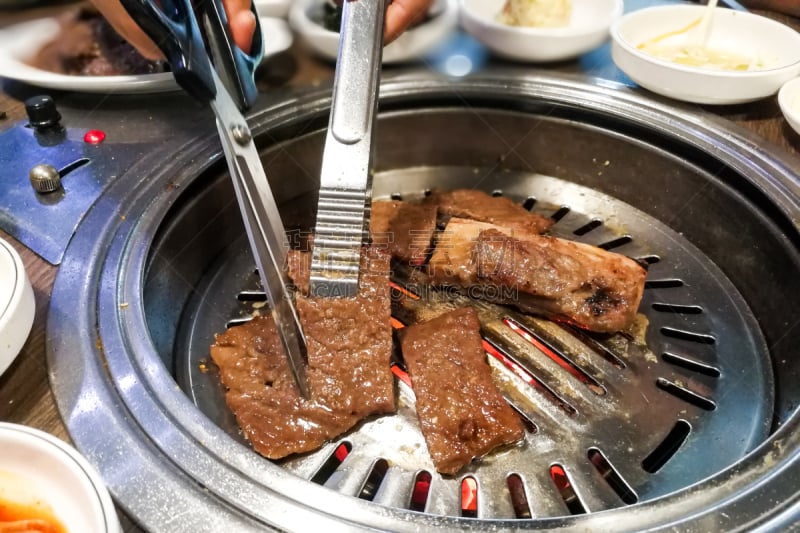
(211, 68)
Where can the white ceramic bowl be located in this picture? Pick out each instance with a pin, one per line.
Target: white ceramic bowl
(776, 45)
(410, 46)
(272, 8)
(36, 465)
(587, 29)
(17, 305)
(789, 101)
(277, 35)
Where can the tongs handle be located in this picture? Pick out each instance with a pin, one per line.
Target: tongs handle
(174, 28)
(358, 68)
(345, 178)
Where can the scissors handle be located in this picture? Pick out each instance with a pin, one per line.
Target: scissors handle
(235, 68)
(173, 27)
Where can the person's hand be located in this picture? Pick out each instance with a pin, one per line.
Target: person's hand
(403, 13)
(242, 22)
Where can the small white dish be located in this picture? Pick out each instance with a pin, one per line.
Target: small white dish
(272, 8)
(775, 46)
(587, 29)
(789, 102)
(17, 305)
(21, 41)
(35, 465)
(304, 18)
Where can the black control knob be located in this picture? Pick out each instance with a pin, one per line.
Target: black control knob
(42, 112)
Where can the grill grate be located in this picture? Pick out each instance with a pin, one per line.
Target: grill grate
(610, 421)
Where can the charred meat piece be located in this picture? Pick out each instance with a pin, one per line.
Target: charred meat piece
(262, 394)
(88, 46)
(349, 377)
(585, 285)
(404, 229)
(461, 412)
(498, 210)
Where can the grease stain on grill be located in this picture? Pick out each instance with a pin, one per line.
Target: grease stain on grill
(611, 476)
(667, 447)
(566, 489)
(685, 394)
(519, 497)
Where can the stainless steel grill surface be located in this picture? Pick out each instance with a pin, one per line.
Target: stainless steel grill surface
(691, 423)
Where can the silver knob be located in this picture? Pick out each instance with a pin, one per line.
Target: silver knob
(45, 178)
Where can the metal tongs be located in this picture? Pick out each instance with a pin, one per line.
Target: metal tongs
(342, 225)
(227, 85)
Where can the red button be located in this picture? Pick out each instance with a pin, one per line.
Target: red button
(94, 137)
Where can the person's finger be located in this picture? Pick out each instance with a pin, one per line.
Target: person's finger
(243, 26)
(401, 14)
(242, 22)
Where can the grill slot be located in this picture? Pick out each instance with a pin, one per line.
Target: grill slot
(686, 395)
(667, 448)
(586, 228)
(374, 479)
(691, 336)
(519, 497)
(419, 495)
(677, 309)
(616, 243)
(529, 203)
(560, 213)
(612, 477)
(691, 364)
(551, 351)
(335, 459)
(566, 489)
(663, 283)
(469, 497)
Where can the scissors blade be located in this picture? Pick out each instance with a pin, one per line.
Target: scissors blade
(265, 230)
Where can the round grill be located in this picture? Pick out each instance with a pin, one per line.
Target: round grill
(692, 422)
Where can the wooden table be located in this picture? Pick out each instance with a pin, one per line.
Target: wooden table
(25, 395)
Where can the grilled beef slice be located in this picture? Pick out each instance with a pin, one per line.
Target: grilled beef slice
(403, 228)
(461, 412)
(499, 210)
(349, 345)
(585, 285)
